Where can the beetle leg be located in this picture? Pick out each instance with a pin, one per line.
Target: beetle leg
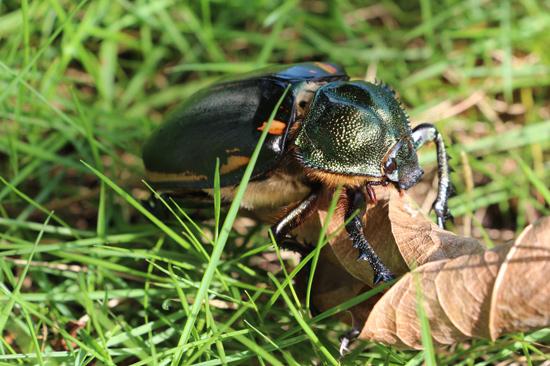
(355, 199)
(294, 218)
(428, 133)
(348, 337)
(155, 206)
(371, 193)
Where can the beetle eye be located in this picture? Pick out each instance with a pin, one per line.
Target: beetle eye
(389, 166)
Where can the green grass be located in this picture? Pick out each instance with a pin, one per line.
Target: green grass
(82, 85)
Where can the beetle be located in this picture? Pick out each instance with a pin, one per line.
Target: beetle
(328, 131)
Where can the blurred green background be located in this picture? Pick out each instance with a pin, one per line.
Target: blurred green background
(89, 81)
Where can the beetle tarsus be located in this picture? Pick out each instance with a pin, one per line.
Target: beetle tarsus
(425, 133)
(356, 200)
(294, 245)
(443, 216)
(295, 217)
(348, 337)
(149, 204)
(384, 275)
(155, 205)
(381, 272)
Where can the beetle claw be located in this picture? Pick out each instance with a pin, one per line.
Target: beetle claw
(348, 337)
(442, 220)
(372, 194)
(382, 275)
(442, 212)
(294, 245)
(401, 191)
(344, 346)
(155, 205)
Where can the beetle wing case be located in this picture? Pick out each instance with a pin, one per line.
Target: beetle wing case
(225, 121)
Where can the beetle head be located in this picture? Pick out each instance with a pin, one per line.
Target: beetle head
(358, 128)
(401, 165)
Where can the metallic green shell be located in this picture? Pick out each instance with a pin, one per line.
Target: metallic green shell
(225, 121)
(350, 128)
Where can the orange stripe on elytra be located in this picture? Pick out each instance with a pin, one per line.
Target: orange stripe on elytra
(234, 162)
(328, 68)
(276, 128)
(186, 176)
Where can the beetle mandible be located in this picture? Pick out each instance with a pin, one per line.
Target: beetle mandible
(328, 131)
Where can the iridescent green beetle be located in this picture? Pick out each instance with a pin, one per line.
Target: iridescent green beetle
(328, 131)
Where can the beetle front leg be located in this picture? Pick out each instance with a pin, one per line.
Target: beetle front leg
(355, 199)
(295, 217)
(428, 133)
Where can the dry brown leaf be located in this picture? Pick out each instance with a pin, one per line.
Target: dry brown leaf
(521, 298)
(420, 240)
(467, 292)
(487, 295)
(472, 278)
(333, 286)
(402, 236)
